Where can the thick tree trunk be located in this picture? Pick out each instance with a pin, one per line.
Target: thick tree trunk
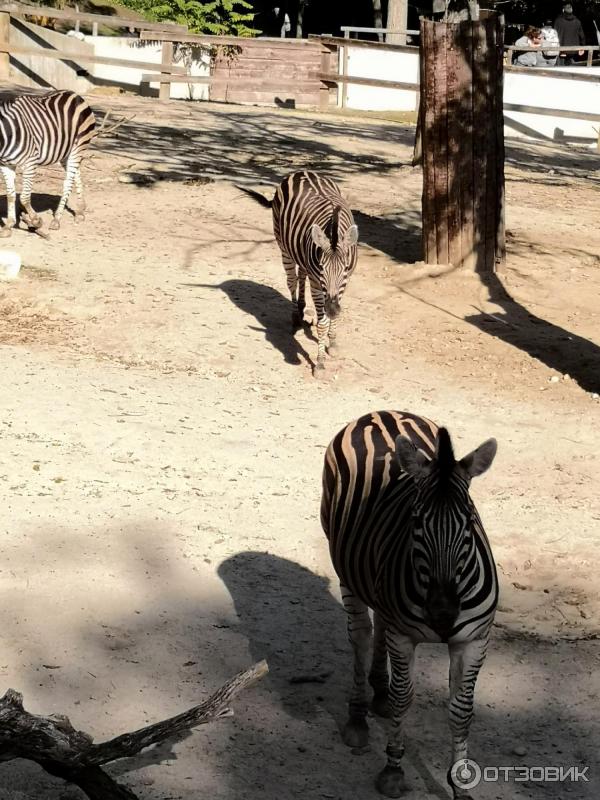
(462, 128)
(300, 18)
(378, 17)
(397, 20)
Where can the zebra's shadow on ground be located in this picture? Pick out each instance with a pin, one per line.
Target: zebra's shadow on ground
(290, 616)
(271, 310)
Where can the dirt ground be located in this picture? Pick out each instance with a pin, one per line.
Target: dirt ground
(162, 436)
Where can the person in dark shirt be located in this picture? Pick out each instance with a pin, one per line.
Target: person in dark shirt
(570, 34)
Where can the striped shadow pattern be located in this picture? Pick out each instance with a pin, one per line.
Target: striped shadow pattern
(407, 543)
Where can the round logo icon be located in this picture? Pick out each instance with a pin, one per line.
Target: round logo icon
(465, 773)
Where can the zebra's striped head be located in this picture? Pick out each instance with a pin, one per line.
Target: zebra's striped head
(335, 251)
(444, 557)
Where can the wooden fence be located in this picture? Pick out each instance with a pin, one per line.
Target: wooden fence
(259, 70)
(510, 51)
(22, 10)
(308, 71)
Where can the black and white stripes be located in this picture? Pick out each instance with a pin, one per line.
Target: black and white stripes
(406, 541)
(37, 130)
(316, 234)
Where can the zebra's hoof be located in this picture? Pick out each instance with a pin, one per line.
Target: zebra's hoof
(380, 705)
(390, 782)
(356, 732)
(32, 220)
(5, 232)
(55, 224)
(80, 217)
(319, 370)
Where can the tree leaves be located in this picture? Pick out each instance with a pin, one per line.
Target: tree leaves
(218, 17)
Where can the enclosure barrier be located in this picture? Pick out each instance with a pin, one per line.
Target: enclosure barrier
(348, 30)
(511, 49)
(321, 48)
(319, 80)
(22, 10)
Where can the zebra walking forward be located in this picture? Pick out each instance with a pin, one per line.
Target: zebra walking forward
(316, 234)
(37, 130)
(407, 542)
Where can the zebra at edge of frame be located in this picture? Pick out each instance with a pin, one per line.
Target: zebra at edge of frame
(318, 239)
(38, 130)
(406, 541)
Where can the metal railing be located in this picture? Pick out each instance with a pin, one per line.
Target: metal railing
(511, 49)
(348, 30)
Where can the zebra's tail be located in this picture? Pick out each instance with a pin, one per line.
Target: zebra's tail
(260, 198)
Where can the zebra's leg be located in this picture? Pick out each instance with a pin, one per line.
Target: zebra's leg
(356, 729)
(301, 294)
(291, 275)
(322, 323)
(80, 211)
(390, 780)
(30, 217)
(378, 677)
(466, 659)
(333, 345)
(72, 168)
(11, 201)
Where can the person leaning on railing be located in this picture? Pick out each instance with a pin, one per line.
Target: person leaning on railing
(551, 37)
(533, 38)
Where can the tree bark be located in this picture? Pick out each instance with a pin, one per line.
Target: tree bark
(397, 20)
(462, 129)
(378, 17)
(55, 745)
(300, 18)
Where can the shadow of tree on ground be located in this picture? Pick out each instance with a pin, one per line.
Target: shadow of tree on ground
(558, 348)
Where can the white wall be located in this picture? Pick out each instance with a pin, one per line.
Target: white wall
(390, 65)
(529, 89)
(41, 72)
(549, 92)
(133, 49)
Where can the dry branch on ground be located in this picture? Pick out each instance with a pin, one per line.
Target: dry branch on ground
(54, 744)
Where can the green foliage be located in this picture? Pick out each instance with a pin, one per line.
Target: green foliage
(217, 17)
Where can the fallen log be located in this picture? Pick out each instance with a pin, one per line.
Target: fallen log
(54, 744)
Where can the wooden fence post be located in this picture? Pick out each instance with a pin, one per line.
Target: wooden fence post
(4, 40)
(345, 57)
(463, 143)
(164, 90)
(326, 53)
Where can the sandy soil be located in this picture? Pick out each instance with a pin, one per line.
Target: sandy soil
(162, 440)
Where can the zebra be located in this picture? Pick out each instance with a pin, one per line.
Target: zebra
(406, 542)
(37, 130)
(318, 239)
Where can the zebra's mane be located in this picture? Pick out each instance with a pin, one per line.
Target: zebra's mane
(334, 225)
(445, 461)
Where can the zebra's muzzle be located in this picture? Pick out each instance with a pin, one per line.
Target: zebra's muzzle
(442, 606)
(332, 307)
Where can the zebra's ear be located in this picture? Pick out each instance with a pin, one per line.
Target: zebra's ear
(350, 237)
(319, 237)
(412, 461)
(480, 460)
